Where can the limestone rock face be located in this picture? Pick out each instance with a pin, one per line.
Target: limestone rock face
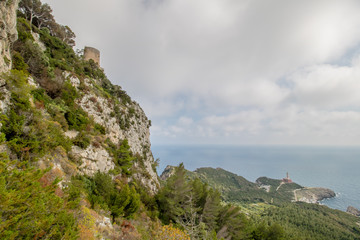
(353, 211)
(5, 97)
(8, 31)
(93, 159)
(8, 35)
(102, 110)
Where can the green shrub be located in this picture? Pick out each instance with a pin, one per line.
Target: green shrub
(27, 133)
(73, 193)
(33, 56)
(18, 62)
(17, 82)
(20, 103)
(82, 140)
(69, 94)
(2, 138)
(23, 28)
(6, 60)
(39, 138)
(124, 202)
(118, 197)
(131, 111)
(52, 136)
(123, 157)
(60, 54)
(12, 125)
(100, 128)
(41, 96)
(77, 119)
(19, 88)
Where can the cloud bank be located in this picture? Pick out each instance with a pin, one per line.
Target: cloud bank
(230, 71)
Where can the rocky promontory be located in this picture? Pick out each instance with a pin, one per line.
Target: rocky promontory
(313, 195)
(297, 192)
(353, 211)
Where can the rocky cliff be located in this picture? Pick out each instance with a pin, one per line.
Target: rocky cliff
(121, 121)
(8, 35)
(101, 104)
(60, 113)
(8, 32)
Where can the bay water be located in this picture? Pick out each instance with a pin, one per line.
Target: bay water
(337, 168)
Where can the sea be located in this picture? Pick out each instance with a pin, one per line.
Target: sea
(336, 168)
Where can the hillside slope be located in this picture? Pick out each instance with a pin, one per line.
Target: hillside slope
(72, 132)
(275, 204)
(236, 189)
(75, 94)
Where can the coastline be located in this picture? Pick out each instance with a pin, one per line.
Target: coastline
(331, 168)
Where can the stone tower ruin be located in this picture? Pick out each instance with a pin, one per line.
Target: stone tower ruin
(92, 53)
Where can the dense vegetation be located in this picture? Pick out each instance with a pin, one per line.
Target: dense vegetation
(36, 204)
(297, 220)
(312, 221)
(198, 209)
(117, 196)
(237, 189)
(33, 127)
(30, 208)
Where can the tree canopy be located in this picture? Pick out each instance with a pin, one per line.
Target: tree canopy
(40, 15)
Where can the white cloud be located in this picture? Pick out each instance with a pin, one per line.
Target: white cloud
(328, 86)
(235, 124)
(285, 126)
(185, 121)
(163, 108)
(317, 127)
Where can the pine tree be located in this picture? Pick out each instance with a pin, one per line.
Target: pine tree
(212, 209)
(124, 157)
(171, 197)
(233, 224)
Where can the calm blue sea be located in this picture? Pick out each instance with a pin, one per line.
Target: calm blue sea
(337, 168)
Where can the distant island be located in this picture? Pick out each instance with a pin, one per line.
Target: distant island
(237, 189)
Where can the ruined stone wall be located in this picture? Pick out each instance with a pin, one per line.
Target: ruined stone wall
(92, 53)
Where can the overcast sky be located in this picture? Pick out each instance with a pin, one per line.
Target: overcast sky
(231, 71)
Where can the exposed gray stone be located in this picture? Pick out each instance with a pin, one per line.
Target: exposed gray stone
(8, 31)
(93, 159)
(41, 45)
(353, 211)
(138, 134)
(313, 195)
(168, 172)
